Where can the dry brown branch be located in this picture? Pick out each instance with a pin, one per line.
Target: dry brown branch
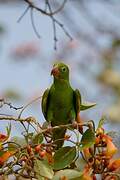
(3, 102)
(28, 104)
(32, 5)
(48, 12)
(12, 118)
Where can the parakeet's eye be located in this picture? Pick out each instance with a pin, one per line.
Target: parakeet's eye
(63, 69)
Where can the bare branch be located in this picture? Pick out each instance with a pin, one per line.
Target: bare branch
(44, 11)
(64, 126)
(55, 21)
(48, 12)
(3, 102)
(36, 99)
(26, 10)
(13, 118)
(33, 24)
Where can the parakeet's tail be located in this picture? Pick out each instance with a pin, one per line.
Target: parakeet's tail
(58, 137)
(79, 120)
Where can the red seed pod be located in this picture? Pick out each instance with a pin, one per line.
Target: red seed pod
(42, 153)
(38, 148)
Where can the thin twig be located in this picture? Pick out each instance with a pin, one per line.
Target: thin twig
(12, 118)
(36, 99)
(22, 123)
(11, 142)
(33, 24)
(62, 126)
(64, 30)
(48, 12)
(55, 21)
(23, 14)
(3, 102)
(44, 11)
(54, 25)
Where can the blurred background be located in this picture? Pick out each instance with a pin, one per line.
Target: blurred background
(93, 55)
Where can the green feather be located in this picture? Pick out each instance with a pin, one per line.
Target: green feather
(44, 103)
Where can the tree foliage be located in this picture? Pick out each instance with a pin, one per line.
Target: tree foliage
(90, 155)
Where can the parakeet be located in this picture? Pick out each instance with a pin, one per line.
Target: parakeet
(61, 104)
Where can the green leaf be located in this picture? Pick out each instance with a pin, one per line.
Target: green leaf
(64, 157)
(37, 139)
(80, 164)
(69, 174)
(88, 139)
(101, 122)
(43, 169)
(12, 147)
(8, 129)
(85, 106)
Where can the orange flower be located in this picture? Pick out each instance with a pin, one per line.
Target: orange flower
(106, 137)
(86, 173)
(87, 177)
(111, 148)
(3, 137)
(5, 156)
(97, 140)
(114, 165)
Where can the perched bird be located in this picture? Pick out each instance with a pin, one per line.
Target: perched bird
(61, 104)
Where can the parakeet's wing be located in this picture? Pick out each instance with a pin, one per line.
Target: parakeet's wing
(44, 103)
(77, 100)
(79, 106)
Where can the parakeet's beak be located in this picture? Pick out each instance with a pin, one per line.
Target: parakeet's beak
(55, 71)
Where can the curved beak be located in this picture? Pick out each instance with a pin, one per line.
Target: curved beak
(55, 71)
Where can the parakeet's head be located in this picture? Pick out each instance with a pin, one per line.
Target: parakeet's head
(60, 71)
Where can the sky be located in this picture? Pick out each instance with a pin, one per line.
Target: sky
(33, 77)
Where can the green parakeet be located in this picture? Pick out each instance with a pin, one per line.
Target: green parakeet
(61, 104)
